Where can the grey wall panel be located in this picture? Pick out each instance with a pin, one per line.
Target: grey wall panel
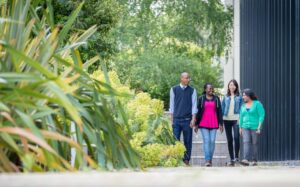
(297, 75)
(269, 54)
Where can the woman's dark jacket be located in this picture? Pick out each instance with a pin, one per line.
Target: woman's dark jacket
(200, 112)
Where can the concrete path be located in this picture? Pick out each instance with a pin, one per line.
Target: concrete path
(173, 177)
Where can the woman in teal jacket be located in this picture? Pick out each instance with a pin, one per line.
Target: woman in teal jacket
(252, 115)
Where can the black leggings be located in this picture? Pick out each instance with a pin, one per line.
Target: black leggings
(229, 127)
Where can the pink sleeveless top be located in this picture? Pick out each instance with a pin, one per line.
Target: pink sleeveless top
(209, 118)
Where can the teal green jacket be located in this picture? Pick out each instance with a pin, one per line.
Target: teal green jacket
(252, 118)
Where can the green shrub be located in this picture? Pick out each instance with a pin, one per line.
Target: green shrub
(151, 132)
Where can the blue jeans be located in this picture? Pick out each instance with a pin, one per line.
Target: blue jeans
(209, 138)
(183, 125)
(250, 142)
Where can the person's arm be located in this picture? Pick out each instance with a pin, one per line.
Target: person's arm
(198, 115)
(223, 105)
(241, 117)
(194, 108)
(261, 113)
(220, 115)
(171, 109)
(241, 102)
(241, 120)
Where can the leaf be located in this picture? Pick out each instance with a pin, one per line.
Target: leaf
(10, 142)
(13, 77)
(35, 64)
(28, 135)
(49, 13)
(7, 116)
(59, 137)
(27, 121)
(8, 166)
(3, 107)
(72, 46)
(86, 35)
(64, 101)
(90, 62)
(68, 25)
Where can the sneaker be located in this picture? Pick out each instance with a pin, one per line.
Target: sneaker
(236, 160)
(230, 164)
(245, 162)
(208, 164)
(254, 163)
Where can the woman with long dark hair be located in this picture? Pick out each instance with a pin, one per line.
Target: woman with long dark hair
(251, 119)
(231, 105)
(209, 119)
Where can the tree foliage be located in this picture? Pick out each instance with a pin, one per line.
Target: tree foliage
(205, 23)
(130, 33)
(157, 40)
(156, 70)
(103, 13)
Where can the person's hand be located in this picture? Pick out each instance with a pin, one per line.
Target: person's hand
(241, 131)
(258, 131)
(196, 129)
(192, 124)
(221, 128)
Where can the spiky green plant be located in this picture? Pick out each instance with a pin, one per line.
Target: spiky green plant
(45, 90)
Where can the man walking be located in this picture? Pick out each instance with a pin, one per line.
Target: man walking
(183, 109)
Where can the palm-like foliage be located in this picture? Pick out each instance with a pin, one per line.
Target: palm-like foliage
(45, 91)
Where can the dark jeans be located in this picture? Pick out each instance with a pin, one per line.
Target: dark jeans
(250, 142)
(183, 125)
(229, 127)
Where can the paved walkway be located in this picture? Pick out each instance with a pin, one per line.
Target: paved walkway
(173, 177)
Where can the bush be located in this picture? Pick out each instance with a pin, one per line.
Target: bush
(151, 133)
(161, 155)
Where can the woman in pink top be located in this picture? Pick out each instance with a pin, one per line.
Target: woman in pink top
(209, 118)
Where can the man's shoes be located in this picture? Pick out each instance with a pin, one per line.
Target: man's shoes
(186, 162)
(245, 162)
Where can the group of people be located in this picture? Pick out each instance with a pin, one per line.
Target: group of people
(239, 114)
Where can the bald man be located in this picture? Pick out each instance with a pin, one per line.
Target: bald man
(183, 110)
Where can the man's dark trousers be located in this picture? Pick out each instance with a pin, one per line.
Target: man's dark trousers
(183, 125)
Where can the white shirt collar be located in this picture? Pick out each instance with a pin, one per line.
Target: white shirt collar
(182, 86)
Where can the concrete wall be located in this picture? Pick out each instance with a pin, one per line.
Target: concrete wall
(236, 41)
(231, 67)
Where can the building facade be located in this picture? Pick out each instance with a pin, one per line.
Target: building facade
(268, 59)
